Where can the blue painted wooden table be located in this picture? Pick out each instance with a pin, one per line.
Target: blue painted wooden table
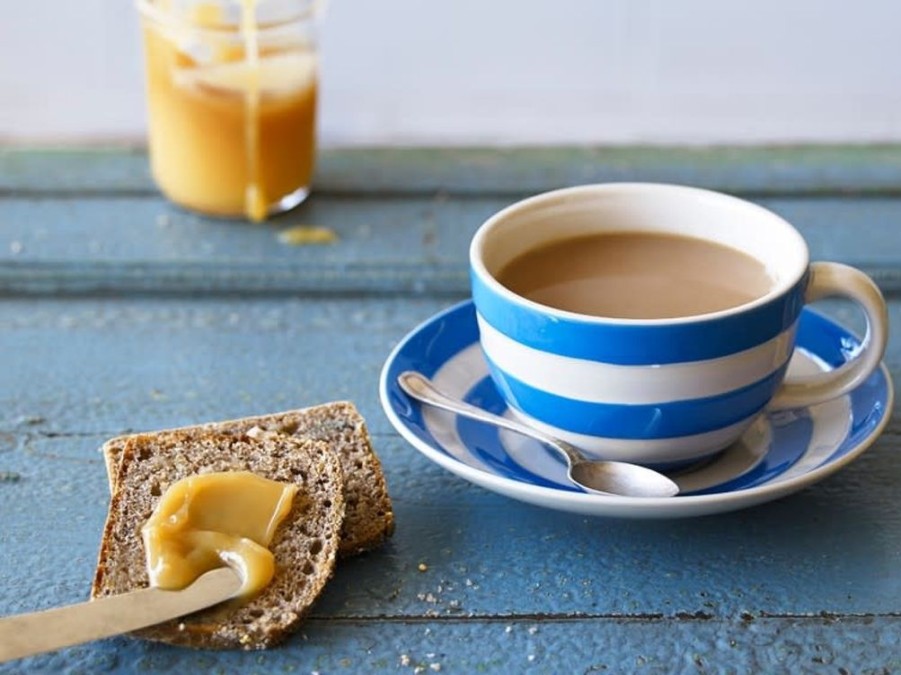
(119, 312)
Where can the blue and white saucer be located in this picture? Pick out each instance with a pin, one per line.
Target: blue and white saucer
(781, 453)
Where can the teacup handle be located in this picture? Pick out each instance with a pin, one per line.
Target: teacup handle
(828, 279)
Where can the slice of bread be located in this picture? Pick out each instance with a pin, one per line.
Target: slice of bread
(369, 518)
(304, 546)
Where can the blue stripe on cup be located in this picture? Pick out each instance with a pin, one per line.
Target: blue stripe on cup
(638, 343)
(660, 420)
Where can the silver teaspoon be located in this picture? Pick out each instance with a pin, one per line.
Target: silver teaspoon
(595, 476)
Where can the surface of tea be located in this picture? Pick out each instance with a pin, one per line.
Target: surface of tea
(636, 276)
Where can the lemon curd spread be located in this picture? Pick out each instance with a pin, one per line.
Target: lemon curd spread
(211, 520)
(232, 108)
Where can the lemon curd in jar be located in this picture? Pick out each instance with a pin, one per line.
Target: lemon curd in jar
(232, 112)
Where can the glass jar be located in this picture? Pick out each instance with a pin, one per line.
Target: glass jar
(231, 95)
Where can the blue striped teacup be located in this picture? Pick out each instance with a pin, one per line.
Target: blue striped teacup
(658, 391)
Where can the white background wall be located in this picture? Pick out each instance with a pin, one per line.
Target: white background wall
(506, 71)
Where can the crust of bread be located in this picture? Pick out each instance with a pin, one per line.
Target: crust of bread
(369, 518)
(304, 546)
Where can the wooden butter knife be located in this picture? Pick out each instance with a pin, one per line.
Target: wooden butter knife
(28, 634)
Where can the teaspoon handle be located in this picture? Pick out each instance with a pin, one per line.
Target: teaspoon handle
(421, 388)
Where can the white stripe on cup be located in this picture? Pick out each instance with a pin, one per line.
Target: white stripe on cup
(637, 385)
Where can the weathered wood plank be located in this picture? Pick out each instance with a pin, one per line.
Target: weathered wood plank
(386, 246)
(520, 645)
(869, 169)
(114, 364)
(110, 365)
